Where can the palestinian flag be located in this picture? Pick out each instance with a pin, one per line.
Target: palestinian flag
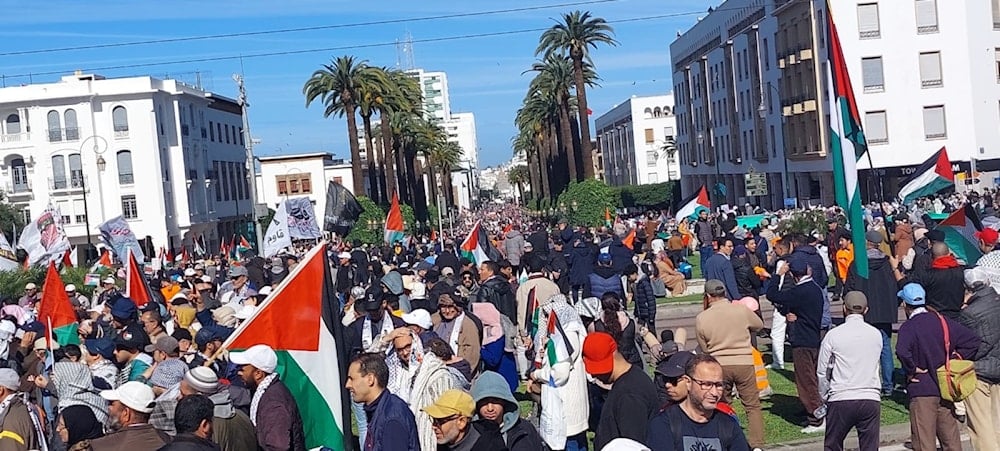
(299, 320)
(959, 230)
(136, 288)
(394, 222)
(629, 240)
(531, 313)
(55, 310)
(607, 216)
(67, 260)
(847, 140)
(558, 348)
(104, 262)
(185, 257)
(477, 247)
(243, 245)
(693, 205)
(932, 177)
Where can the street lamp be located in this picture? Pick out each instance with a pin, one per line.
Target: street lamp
(101, 164)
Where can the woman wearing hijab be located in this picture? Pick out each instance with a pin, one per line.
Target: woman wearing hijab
(672, 279)
(497, 355)
(77, 425)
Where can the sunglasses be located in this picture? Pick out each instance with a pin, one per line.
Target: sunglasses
(438, 422)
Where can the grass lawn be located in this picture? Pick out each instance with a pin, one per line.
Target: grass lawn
(693, 298)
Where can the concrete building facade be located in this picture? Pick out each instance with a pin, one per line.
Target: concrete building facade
(636, 141)
(168, 157)
(281, 177)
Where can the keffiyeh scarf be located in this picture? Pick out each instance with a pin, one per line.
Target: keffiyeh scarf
(259, 393)
(366, 334)
(401, 378)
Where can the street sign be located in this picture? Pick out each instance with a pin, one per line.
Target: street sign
(756, 183)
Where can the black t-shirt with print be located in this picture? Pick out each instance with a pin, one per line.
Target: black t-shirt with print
(720, 433)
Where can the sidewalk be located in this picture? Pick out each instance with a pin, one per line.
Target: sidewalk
(893, 434)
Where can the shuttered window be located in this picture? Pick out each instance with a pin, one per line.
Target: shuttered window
(868, 26)
(934, 122)
(927, 21)
(930, 70)
(996, 13)
(649, 135)
(876, 128)
(871, 74)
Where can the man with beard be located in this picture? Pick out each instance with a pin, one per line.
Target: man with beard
(455, 326)
(496, 290)
(232, 428)
(694, 423)
(128, 423)
(452, 413)
(273, 409)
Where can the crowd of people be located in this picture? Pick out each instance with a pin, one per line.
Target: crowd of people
(447, 353)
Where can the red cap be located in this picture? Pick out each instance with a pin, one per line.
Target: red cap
(599, 353)
(988, 235)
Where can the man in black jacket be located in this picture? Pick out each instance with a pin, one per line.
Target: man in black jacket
(982, 315)
(496, 290)
(448, 258)
(883, 305)
(943, 281)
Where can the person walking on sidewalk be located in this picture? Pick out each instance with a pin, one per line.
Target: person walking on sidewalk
(848, 376)
(803, 306)
(981, 314)
(921, 346)
(723, 331)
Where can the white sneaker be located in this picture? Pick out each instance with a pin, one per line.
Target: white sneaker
(814, 429)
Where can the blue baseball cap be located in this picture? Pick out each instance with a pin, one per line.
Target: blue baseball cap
(604, 257)
(912, 294)
(124, 308)
(101, 346)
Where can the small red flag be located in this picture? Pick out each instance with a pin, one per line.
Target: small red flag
(55, 310)
(135, 284)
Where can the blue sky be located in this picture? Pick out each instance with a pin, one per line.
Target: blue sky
(484, 74)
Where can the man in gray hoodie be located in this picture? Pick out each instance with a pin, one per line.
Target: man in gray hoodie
(496, 409)
(513, 247)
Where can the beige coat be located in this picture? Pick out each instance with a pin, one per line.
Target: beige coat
(470, 344)
(544, 289)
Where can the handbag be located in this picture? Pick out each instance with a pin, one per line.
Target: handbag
(957, 377)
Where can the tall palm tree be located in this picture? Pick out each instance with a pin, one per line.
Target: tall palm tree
(401, 93)
(444, 158)
(371, 86)
(524, 143)
(553, 82)
(336, 86)
(576, 35)
(517, 176)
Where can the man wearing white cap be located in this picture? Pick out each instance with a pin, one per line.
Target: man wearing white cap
(108, 291)
(128, 411)
(231, 428)
(272, 409)
(20, 425)
(79, 301)
(31, 295)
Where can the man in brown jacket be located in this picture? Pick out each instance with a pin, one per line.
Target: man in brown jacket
(273, 409)
(18, 430)
(128, 419)
(723, 331)
(453, 324)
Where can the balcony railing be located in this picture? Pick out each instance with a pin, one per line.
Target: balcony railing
(67, 184)
(185, 130)
(126, 179)
(121, 131)
(931, 83)
(15, 138)
(871, 34)
(927, 29)
(64, 134)
(18, 189)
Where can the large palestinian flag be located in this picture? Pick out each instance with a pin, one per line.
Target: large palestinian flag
(932, 177)
(959, 230)
(847, 140)
(477, 247)
(691, 206)
(136, 288)
(299, 320)
(394, 230)
(55, 311)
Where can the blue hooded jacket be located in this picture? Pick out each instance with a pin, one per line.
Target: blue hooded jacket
(518, 434)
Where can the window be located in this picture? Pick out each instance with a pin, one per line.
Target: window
(996, 57)
(930, 70)
(650, 158)
(76, 171)
(766, 54)
(55, 126)
(668, 132)
(26, 215)
(296, 183)
(211, 131)
(241, 174)
(218, 131)
(13, 124)
(875, 127)
(80, 219)
(995, 4)
(227, 133)
(72, 131)
(232, 178)
(215, 181)
(58, 172)
(649, 136)
(224, 181)
(125, 176)
(868, 26)
(119, 116)
(871, 74)
(934, 123)
(130, 208)
(926, 16)
(774, 144)
(241, 137)
(19, 175)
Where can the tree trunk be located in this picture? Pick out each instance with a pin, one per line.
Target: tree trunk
(574, 126)
(388, 160)
(558, 165)
(373, 184)
(581, 101)
(566, 133)
(543, 167)
(419, 195)
(449, 189)
(432, 172)
(402, 178)
(352, 136)
(533, 179)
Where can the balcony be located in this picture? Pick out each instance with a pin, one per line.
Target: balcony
(931, 83)
(18, 190)
(121, 132)
(67, 185)
(15, 139)
(64, 134)
(126, 179)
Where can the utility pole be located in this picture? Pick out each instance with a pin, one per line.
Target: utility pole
(251, 167)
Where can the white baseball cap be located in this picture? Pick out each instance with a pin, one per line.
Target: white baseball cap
(189, 272)
(419, 317)
(265, 290)
(70, 288)
(30, 286)
(135, 395)
(261, 357)
(109, 279)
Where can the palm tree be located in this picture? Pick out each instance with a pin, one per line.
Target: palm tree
(444, 159)
(516, 176)
(576, 35)
(553, 82)
(401, 93)
(370, 89)
(524, 143)
(336, 86)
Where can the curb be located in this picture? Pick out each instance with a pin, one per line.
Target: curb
(892, 434)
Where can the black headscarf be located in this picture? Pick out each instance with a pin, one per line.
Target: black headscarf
(82, 424)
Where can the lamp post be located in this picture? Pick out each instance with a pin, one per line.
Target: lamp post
(101, 164)
(762, 112)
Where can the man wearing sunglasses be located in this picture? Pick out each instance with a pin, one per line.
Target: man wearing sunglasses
(451, 418)
(694, 423)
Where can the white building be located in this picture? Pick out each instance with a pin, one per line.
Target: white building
(751, 92)
(633, 139)
(168, 157)
(288, 176)
(434, 88)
